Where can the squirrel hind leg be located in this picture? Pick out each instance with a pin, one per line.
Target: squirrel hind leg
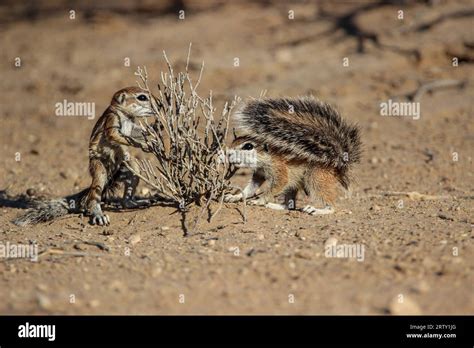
(289, 193)
(111, 190)
(130, 183)
(280, 185)
(321, 183)
(289, 200)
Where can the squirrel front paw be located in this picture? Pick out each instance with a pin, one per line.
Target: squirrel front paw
(100, 219)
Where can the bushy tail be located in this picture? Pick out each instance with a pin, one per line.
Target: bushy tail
(43, 211)
(303, 129)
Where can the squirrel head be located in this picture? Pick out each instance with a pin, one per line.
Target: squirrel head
(134, 102)
(247, 153)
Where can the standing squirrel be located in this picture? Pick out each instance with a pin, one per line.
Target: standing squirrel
(117, 129)
(297, 144)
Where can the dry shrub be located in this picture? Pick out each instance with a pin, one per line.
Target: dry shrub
(188, 143)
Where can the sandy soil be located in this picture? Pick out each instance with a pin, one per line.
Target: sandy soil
(417, 251)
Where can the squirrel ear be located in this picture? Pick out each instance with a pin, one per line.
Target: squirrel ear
(120, 97)
(265, 147)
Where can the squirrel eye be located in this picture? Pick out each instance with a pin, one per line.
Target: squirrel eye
(142, 97)
(247, 146)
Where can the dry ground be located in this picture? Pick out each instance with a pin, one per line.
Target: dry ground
(420, 249)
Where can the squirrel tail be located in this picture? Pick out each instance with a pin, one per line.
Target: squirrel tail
(304, 129)
(43, 211)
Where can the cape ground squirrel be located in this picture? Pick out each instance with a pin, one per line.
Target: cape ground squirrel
(297, 144)
(114, 131)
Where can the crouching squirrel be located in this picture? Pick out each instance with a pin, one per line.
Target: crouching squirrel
(294, 144)
(116, 130)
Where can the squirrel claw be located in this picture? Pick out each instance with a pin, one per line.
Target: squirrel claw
(100, 220)
(315, 211)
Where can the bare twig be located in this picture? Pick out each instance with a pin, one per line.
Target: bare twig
(416, 196)
(439, 84)
(423, 26)
(56, 251)
(430, 87)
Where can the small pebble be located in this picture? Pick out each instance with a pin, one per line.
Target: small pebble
(303, 254)
(421, 287)
(302, 234)
(42, 287)
(406, 307)
(116, 285)
(156, 272)
(134, 239)
(44, 302)
(32, 138)
(94, 303)
(284, 55)
(330, 242)
(107, 232)
(375, 208)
